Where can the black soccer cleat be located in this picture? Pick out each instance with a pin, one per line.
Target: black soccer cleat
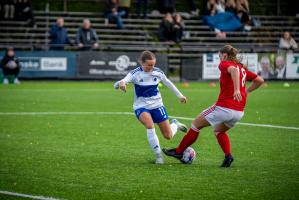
(172, 153)
(227, 161)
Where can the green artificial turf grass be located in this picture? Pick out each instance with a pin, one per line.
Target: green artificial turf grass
(94, 156)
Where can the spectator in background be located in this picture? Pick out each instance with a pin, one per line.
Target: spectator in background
(10, 66)
(113, 14)
(265, 72)
(287, 43)
(86, 36)
(166, 29)
(243, 14)
(124, 6)
(59, 35)
(144, 4)
(280, 68)
(178, 28)
(231, 6)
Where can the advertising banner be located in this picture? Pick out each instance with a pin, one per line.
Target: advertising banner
(112, 65)
(292, 71)
(41, 64)
(211, 62)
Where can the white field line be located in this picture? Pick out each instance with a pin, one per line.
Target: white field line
(27, 195)
(130, 113)
(112, 89)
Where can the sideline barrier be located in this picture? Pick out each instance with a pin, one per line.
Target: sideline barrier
(268, 65)
(87, 64)
(112, 65)
(115, 65)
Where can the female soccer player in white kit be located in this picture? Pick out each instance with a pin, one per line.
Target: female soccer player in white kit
(148, 104)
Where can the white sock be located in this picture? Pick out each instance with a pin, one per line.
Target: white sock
(153, 141)
(174, 128)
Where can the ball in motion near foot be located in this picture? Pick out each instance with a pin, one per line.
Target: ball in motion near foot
(188, 156)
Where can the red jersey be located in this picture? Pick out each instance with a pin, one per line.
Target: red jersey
(226, 96)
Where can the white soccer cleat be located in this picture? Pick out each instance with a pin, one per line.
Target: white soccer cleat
(16, 81)
(182, 127)
(159, 160)
(5, 81)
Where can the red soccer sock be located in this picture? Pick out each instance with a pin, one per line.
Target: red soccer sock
(189, 139)
(224, 142)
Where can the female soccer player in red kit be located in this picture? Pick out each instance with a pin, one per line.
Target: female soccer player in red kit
(228, 109)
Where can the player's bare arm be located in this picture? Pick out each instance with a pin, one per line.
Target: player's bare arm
(235, 74)
(256, 83)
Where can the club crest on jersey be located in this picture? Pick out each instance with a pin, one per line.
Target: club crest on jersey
(155, 79)
(141, 80)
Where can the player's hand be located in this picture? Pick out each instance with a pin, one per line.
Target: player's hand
(183, 99)
(237, 96)
(123, 86)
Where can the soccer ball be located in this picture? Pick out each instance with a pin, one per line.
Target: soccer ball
(188, 156)
(11, 64)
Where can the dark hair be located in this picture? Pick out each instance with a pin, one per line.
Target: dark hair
(231, 53)
(146, 55)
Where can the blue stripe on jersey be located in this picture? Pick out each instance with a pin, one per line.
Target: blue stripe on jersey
(136, 70)
(146, 90)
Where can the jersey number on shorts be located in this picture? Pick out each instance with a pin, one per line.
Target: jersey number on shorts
(243, 72)
(162, 111)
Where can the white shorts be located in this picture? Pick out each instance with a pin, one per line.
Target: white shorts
(216, 115)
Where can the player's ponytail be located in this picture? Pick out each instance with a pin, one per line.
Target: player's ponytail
(146, 55)
(231, 54)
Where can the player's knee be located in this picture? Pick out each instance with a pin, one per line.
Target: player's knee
(195, 128)
(216, 132)
(149, 126)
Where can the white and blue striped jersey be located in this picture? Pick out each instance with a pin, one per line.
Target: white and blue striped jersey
(147, 93)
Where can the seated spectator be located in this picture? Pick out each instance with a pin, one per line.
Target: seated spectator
(265, 71)
(166, 29)
(10, 66)
(86, 36)
(59, 36)
(113, 14)
(243, 13)
(144, 4)
(178, 28)
(287, 43)
(231, 6)
(124, 6)
(280, 67)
